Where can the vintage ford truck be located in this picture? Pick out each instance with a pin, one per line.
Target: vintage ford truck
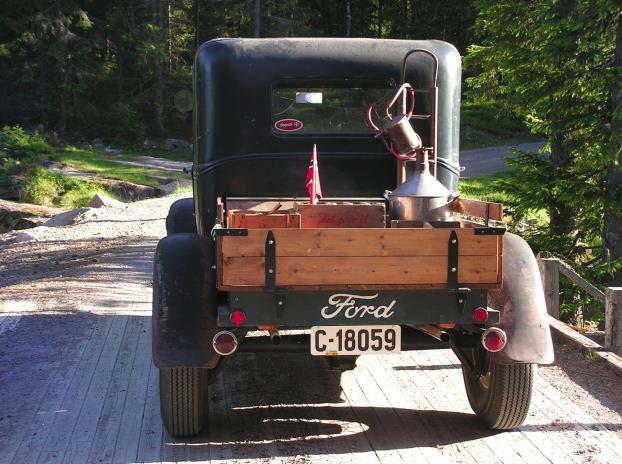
(254, 262)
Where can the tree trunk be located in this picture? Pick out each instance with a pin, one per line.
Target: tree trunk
(166, 21)
(379, 25)
(121, 60)
(413, 21)
(3, 95)
(348, 19)
(61, 124)
(404, 28)
(197, 23)
(157, 74)
(257, 18)
(63, 40)
(613, 185)
(562, 220)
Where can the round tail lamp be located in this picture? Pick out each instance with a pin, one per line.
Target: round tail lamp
(494, 339)
(225, 343)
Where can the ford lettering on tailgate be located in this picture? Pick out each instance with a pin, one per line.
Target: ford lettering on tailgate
(351, 306)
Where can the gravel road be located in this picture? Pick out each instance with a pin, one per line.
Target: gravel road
(77, 383)
(487, 161)
(158, 163)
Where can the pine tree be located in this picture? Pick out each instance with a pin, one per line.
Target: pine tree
(549, 62)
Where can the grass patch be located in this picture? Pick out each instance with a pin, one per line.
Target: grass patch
(488, 188)
(498, 189)
(55, 189)
(108, 167)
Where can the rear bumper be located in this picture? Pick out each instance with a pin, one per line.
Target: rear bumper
(305, 309)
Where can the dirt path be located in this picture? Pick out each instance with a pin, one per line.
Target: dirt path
(158, 163)
(77, 383)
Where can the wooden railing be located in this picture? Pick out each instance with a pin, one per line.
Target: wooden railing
(551, 268)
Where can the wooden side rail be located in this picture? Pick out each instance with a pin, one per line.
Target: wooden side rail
(481, 209)
(550, 268)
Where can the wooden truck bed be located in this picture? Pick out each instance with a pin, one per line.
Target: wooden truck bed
(374, 257)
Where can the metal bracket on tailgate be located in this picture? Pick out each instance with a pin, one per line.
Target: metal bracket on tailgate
(452, 261)
(280, 300)
(270, 263)
(489, 230)
(220, 232)
(452, 272)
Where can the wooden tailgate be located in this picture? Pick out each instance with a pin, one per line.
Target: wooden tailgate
(359, 258)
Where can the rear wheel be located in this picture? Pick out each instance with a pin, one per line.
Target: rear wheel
(184, 400)
(183, 326)
(499, 394)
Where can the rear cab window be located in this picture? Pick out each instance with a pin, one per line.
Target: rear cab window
(335, 108)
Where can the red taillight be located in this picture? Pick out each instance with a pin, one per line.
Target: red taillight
(237, 317)
(494, 339)
(480, 315)
(225, 343)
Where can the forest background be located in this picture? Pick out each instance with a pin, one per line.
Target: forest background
(120, 71)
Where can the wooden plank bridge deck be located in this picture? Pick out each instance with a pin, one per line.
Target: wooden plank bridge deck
(77, 385)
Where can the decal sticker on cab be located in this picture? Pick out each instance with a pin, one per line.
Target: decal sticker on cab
(288, 125)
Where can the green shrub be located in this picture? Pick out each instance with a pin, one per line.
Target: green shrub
(16, 143)
(9, 166)
(81, 195)
(20, 154)
(56, 189)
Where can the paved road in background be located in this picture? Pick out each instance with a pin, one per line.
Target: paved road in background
(488, 161)
(77, 384)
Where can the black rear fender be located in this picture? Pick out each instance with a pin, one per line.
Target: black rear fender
(184, 302)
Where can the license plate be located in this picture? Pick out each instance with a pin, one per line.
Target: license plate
(352, 340)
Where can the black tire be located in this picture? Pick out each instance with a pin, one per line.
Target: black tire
(184, 400)
(180, 217)
(500, 397)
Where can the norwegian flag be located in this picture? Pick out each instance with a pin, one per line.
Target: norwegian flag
(313, 179)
